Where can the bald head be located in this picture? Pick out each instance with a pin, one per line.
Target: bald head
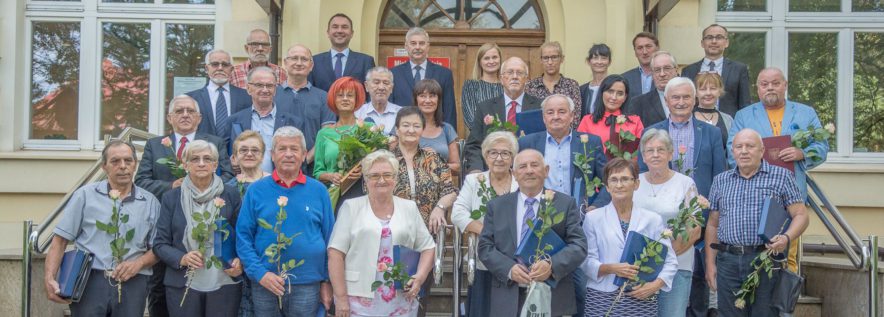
(530, 171)
(298, 63)
(772, 86)
(747, 149)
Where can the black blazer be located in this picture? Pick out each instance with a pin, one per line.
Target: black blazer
(633, 81)
(586, 97)
(157, 178)
(323, 74)
(168, 245)
(494, 107)
(647, 107)
(239, 99)
(735, 76)
(403, 84)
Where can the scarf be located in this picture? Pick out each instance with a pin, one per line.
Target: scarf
(194, 200)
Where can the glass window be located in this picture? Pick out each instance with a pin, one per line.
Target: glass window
(868, 92)
(815, 5)
(868, 5)
(186, 49)
(748, 48)
(742, 5)
(813, 74)
(478, 14)
(55, 80)
(125, 76)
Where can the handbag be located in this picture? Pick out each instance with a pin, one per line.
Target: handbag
(538, 302)
(786, 289)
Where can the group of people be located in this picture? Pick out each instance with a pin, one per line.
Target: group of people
(230, 213)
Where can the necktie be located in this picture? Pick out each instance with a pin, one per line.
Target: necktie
(417, 74)
(529, 214)
(339, 65)
(711, 66)
(181, 145)
(511, 114)
(221, 128)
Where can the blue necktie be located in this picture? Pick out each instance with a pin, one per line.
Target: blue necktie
(417, 74)
(529, 214)
(339, 65)
(221, 126)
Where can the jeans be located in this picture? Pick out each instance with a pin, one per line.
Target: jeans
(302, 301)
(732, 270)
(675, 302)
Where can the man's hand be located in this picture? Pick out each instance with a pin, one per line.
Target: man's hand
(540, 271)
(519, 274)
(791, 154)
(52, 291)
(177, 182)
(192, 259)
(235, 269)
(273, 283)
(777, 244)
(325, 294)
(126, 270)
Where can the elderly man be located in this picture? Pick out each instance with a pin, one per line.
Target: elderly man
(257, 46)
(514, 75)
(340, 60)
(640, 80)
(94, 203)
(218, 99)
(379, 84)
(264, 116)
(734, 75)
(406, 75)
(736, 201)
(506, 224)
(300, 289)
(552, 81)
(651, 107)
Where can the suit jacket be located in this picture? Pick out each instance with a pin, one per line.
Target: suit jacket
(497, 248)
(403, 84)
(647, 107)
(239, 100)
(586, 97)
(323, 74)
(537, 141)
(168, 244)
(494, 107)
(796, 117)
(735, 76)
(633, 81)
(709, 157)
(157, 178)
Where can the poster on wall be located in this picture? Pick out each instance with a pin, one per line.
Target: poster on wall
(183, 85)
(393, 61)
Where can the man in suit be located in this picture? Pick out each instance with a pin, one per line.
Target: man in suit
(340, 61)
(184, 117)
(417, 43)
(514, 76)
(219, 99)
(645, 44)
(264, 116)
(650, 107)
(734, 74)
(506, 222)
(257, 46)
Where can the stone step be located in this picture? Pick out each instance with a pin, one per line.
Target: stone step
(809, 306)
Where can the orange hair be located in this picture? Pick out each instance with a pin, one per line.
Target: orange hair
(346, 83)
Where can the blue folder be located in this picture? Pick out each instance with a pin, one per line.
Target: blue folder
(410, 259)
(635, 243)
(529, 243)
(224, 250)
(774, 219)
(74, 273)
(530, 121)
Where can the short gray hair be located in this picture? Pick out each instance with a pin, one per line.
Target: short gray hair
(548, 98)
(661, 53)
(218, 50)
(288, 132)
(262, 69)
(417, 31)
(249, 36)
(378, 70)
(514, 59)
(199, 145)
(180, 98)
(680, 81)
(379, 156)
(656, 134)
(500, 137)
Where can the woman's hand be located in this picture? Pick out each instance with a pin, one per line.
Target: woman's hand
(437, 219)
(332, 178)
(413, 287)
(342, 306)
(355, 174)
(192, 259)
(235, 269)
(647, 290)
(624, 270)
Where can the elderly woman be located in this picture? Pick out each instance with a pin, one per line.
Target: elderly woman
(212, 291)
(598, 59)
(607, 122)
(248, 153)
(606, 230)
(362, 243)
(485, 83)
(709, 90)
(498, 150)
(437, 135)
(662, 190)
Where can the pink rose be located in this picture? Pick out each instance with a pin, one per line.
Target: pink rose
(382, 267)
(241, 178)
(703, 202)
(386, 259)
(488, 119)
(114, 194)
(166, 142)
(682, 149)
(549, 194)
(282, 201)
(219, 202)
(584, 138)
(621, 119)
(830, 127)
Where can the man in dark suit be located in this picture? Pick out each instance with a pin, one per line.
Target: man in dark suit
(506, 224)
(219, 99)
(184, 117)
(650, 107)
(514, 76)
(734, 74)
(417, 43)
(645, 44)
(340, 61)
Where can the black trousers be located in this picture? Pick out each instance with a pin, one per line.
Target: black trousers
(156, 298)
(100, 297)
(222, 302)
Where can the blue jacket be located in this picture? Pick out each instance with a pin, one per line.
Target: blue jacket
(796, 117)
(709, 157)
(537, 141)
(239, 100)
(323, 74)
(403, 84)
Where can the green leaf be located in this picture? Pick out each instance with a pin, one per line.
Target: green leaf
(125, 218)
(558, 218)
(198, 217)
(264, 224)
(375, 285)
(130, 234)
(102, 226)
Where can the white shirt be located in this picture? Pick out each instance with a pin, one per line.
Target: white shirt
(718, 65)
(423, 68)
(213, 97)
(190, 138)
(334, 59)
(387, 118)
(664, 199)
(521, 210)
(507, 101)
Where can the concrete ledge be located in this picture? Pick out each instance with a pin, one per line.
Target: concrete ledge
(842, 288)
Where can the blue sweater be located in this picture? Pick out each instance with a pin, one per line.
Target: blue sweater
(309, 212)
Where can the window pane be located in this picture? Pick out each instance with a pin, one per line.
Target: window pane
(55, 80)
(479, 14)
(186, 49)
(748, 48)
(868, 5)
(868, 92)
(127, 1)
(190, 1)
(813, 73)
(815, 5)
(742, 5)
(125, 76)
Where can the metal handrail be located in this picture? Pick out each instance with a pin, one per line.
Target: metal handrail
(437, 264)
(472, 256)
(859, 260)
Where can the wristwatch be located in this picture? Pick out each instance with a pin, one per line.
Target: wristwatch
(439, 205)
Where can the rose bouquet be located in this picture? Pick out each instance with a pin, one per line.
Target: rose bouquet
(352, 147)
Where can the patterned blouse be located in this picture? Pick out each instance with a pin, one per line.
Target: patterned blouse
(565, 86)
(475, 92)
(432, 180)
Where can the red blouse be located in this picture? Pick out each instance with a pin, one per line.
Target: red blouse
(633, 124)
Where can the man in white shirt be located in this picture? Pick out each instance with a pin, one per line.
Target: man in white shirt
(379, 84)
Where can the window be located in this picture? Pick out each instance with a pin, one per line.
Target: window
(475, 14)
(99, 66)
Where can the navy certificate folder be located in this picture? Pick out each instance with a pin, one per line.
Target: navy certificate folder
(409, 259)
(774, 219)
(73, 274)
(529, 243)
(530, 121)
(635, 243)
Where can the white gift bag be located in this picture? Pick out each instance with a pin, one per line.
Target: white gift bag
(538, 302)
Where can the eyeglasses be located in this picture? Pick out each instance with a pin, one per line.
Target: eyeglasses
(551, 58)
(504, 155)
(621, 181)
(666, 69)
(203, 159)
(301, 59)
(516, 73)
(246, 151)
(262, 86)
(259, 44)
(181, 111)
(714, 37)
(219, 64)
(659, 150)
(379, 176)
